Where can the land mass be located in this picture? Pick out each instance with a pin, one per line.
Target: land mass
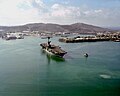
(42, 27)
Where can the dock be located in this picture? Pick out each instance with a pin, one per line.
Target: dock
(96, 38)
(75, 40)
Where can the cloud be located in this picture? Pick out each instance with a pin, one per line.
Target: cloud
(63, 11)
(40, 3)
(69, 14)
(15, 12)
(24, 5)
(103, 17)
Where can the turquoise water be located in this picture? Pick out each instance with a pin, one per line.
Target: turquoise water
(25, 70)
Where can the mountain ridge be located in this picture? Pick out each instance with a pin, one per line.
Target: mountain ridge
(51, 27)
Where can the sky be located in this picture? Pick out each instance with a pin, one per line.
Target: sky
(95, 12)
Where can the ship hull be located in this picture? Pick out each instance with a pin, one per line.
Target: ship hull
(52, 50)
(50, 53)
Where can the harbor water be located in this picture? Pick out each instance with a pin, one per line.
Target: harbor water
(26, 70)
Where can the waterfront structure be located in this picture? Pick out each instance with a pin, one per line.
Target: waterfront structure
(98, 37)
(11, 36)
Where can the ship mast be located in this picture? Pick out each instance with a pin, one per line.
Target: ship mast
(49, 42)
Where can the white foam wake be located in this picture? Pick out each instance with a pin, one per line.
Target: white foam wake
(105, 76)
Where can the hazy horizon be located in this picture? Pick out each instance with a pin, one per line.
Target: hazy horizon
(103, 13)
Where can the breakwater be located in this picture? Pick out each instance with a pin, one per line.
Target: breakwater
(75, 40)
(103, 37)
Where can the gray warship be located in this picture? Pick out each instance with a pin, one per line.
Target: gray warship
(53, 49)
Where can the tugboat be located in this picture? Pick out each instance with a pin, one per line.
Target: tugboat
(53, 49)
(86, 55)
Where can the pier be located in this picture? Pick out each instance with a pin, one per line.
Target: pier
(75, 40)
(102, 37)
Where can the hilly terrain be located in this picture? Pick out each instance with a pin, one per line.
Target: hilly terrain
(41, 27)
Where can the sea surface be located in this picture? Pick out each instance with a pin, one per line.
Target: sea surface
(26, 70)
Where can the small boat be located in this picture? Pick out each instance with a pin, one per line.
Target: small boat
(12, 36)
(86, 55)
(9, 37)
(117, 40)
(53, 49)
(45, 36)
